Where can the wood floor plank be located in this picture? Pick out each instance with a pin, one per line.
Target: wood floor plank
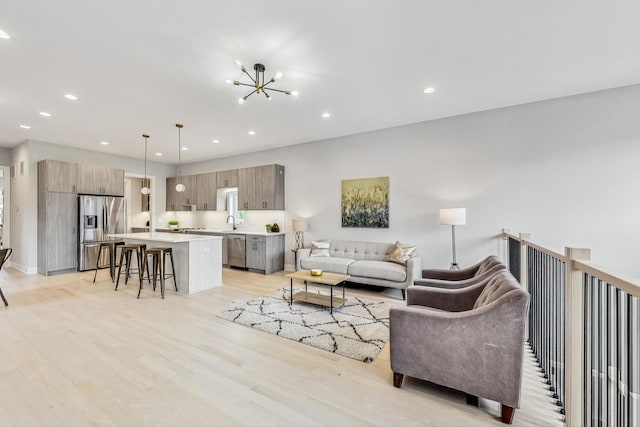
(77, 353)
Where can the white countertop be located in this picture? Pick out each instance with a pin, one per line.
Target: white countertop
(255, 233)
(165, 237)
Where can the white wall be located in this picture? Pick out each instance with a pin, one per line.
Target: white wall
(564, 170)
(24, 201)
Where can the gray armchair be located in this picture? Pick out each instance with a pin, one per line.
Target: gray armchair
(456, 279)
(469, 339)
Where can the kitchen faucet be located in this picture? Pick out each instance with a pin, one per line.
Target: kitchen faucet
(233, 219)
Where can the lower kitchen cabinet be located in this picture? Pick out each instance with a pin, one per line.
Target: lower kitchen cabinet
(265, 253)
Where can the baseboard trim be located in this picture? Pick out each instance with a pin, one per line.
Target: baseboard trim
(21, 268)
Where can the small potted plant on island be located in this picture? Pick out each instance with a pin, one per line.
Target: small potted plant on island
(268, 226)
(173, 223)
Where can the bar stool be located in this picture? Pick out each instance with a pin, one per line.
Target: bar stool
(112, 247)
(125, 257)
(158, 256)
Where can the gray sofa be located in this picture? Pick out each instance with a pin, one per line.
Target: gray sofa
(469, 339)
(364, 262)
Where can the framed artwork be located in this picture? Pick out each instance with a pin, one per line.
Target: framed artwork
(365, 202)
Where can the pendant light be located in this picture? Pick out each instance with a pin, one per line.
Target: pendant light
(145, 181)
(179, 185)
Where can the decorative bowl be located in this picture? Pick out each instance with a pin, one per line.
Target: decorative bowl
(316, 272)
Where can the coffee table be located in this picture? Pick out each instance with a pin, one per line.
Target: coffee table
(330, 279)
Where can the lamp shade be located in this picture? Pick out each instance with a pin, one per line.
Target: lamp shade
(453, 216)
(300, 225)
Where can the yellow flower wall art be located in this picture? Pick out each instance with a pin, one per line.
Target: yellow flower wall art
(365, 202)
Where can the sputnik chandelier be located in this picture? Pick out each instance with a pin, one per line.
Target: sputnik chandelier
(259, 85)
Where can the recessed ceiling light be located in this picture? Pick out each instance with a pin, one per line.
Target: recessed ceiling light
(104, 142)
(159, 154)
(428, 90)
(4, 35)
(215, 141)
(185, 148)
(25, 126)
(294, 93)
(252, 132)
(45, 114)
(71, 96)
(326, 115)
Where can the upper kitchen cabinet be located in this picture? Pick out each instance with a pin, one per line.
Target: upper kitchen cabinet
(247, 189)
(206, 191)
(57, 177)
(180, 201)
(269, 188)
(94, 179)
(227, 179)
(171, 194)
(261, 188)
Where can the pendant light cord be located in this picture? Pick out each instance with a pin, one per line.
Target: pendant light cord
(179, 126)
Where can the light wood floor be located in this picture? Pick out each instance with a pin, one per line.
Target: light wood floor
(74, 353)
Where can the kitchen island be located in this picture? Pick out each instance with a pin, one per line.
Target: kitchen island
(198, 258)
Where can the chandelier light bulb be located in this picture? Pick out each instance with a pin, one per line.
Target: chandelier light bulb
(238, 63)
(180, 188)
(145, 190)
(278, 75)
(228, 81)
(240, 100)
(294, 93)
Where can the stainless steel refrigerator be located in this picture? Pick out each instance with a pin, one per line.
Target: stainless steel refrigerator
(98, 217)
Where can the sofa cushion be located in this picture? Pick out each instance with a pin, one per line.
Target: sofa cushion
(330, 264)
(360, 250)
(401, 253)
(320, 249)
(378, 270)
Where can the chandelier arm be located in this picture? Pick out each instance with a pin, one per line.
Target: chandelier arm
(281, 91)
(268, 83)
(252, 79)
(250, 93)
(245, 84)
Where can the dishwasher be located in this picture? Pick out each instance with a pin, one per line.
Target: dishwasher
(236, 250)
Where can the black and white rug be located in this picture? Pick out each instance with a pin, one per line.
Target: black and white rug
(358, 329)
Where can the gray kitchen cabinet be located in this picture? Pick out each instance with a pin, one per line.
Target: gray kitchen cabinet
(261, 188)
(93, 179)
(256, 255)
(58, 177)
(247, 189)
(265, 253)
(206, 191)
(171, 194)
(269, 187)
(57, 217)
(178, 201)
(227, 179)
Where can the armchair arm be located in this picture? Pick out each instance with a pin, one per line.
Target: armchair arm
(453, 300)
(457, 284)
(478, 351)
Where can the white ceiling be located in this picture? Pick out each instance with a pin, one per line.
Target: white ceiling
(140, 66)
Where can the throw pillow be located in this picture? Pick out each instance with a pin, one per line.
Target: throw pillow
(401, 253)
(320, 249)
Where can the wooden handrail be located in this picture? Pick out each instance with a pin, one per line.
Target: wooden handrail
(629, 286)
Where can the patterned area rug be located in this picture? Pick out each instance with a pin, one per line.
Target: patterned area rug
(358, 329)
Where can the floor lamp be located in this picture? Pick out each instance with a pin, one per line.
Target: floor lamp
(453, 217)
